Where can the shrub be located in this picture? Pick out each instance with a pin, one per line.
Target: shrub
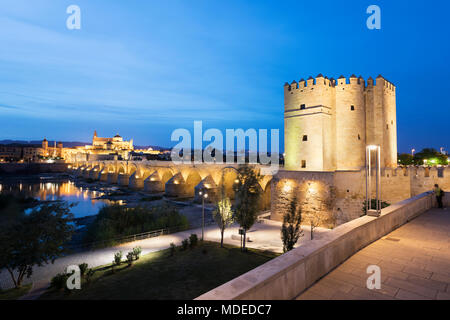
(130, 258)
(193, 240)
(137, 252)
(184, 244)
(117, 258)
(89, 275)
(118, 221)
(173, 248)
(152, 198)
(373, 204)
(83, 268)
(59, 281)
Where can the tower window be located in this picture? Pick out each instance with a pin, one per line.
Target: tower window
(302, 106)
(359, 137)
(305, 138)
(387, 126)
(303, 163)
(352, 108)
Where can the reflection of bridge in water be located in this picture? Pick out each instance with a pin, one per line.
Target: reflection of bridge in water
(175, 180)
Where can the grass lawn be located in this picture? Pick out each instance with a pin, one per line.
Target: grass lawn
(13, 294)
(186, 275)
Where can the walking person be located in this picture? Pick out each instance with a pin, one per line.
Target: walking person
(439, 194)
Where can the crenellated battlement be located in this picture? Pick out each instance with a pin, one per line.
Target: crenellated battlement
(321, 80)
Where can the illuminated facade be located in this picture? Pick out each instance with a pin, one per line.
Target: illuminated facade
(101, 149)
(329, 123)
(55, 151)
(116, 143)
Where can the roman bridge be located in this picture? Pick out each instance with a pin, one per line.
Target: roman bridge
(174, 180)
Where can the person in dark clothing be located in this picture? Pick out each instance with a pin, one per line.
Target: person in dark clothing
(439, 194)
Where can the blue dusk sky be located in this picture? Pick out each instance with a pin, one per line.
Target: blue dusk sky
(145, 68)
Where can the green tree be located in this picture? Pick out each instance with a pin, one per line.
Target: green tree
(223, 213)
(34, 239)
(405, 159)
(431, 157)
(291, 229)
(116, 221)
(248, 192)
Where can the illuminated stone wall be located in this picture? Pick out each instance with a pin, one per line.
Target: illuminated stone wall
(314, 192)
(328, 123)
(309, 122)
(338, 197)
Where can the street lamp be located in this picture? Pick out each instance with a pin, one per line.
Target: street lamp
(369, 210)
(204, 195)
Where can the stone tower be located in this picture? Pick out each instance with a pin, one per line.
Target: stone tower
(328, 123)
(45, 144)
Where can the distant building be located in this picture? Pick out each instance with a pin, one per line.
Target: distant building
(115, 148)
(55, 152)
(19, 152)
(101, 149)
(116, 143)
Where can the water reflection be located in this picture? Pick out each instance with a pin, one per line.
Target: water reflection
(61, 190)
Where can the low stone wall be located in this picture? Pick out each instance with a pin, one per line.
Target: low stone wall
(286, 276)
(339, 195)
(446, 199)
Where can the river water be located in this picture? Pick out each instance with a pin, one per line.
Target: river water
(47, 189)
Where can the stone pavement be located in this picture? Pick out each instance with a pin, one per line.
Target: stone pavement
(263, 236)
(414, 262)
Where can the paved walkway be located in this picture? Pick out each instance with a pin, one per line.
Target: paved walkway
(414, 262)
(263, 236)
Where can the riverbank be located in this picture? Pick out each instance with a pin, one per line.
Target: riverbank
(90, 196)
(14, 169)
(133, 198)
(35, 177)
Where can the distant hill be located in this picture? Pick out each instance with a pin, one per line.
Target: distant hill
(68, 144)
(153, 147)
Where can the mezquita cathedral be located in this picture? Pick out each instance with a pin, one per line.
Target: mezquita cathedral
(100, 149)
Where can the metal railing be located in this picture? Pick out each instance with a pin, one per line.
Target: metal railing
(134, 237)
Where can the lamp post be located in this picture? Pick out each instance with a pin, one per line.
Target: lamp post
(369, 210)
(204, 195)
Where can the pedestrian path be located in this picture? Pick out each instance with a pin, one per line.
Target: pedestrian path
(414, 261)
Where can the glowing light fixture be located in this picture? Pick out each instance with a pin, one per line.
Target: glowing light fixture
(204, 195)
(377, 210)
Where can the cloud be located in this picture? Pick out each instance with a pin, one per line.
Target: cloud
(8, 107)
